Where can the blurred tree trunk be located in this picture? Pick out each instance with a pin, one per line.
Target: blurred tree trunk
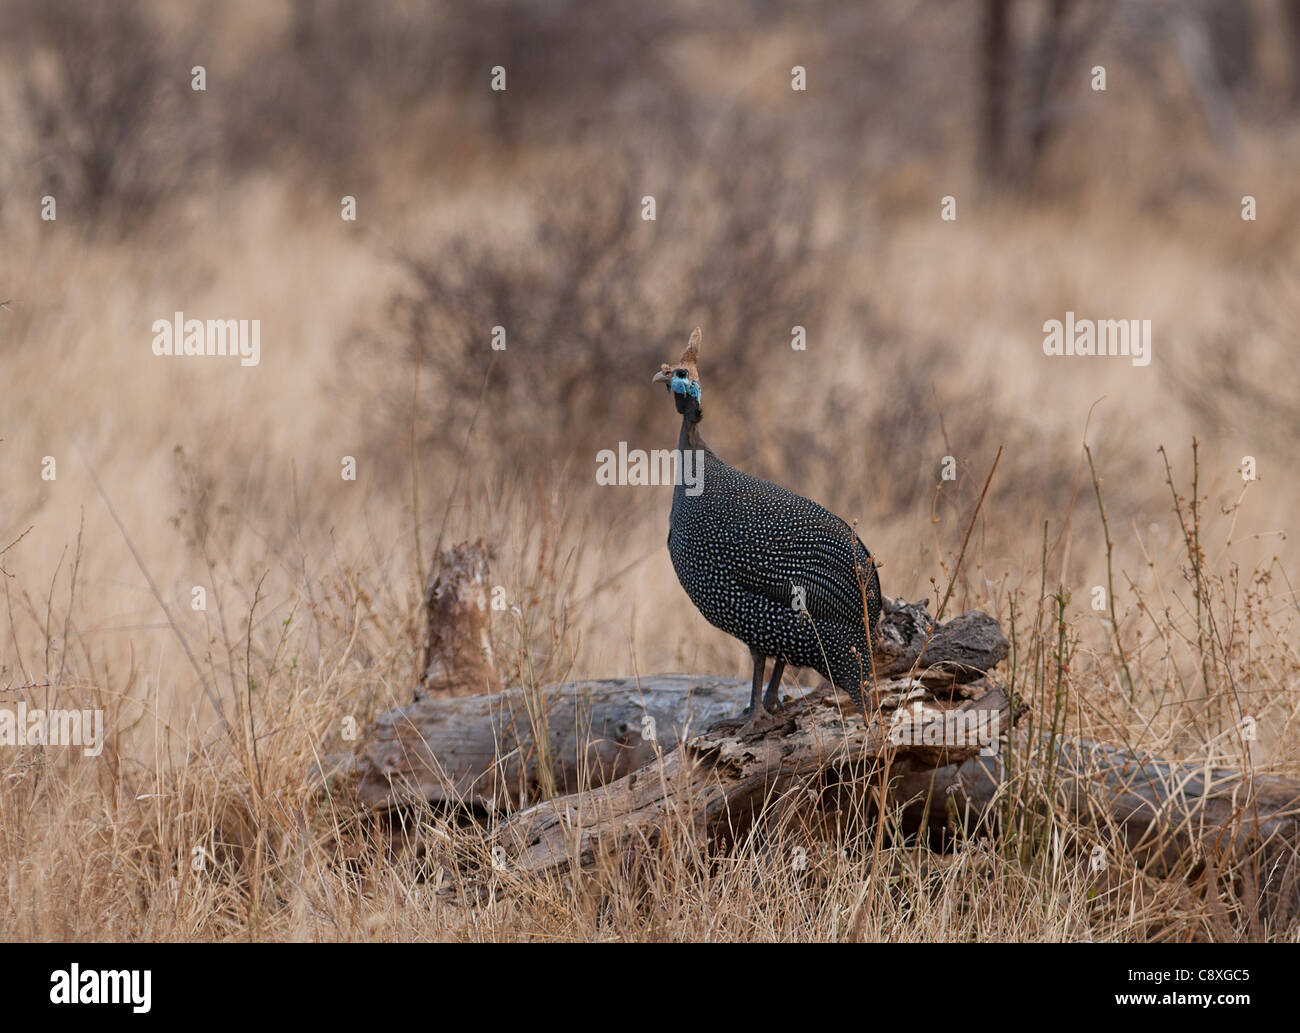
(1291, 14)
(1047, 54)
(995, 76)
(1231, 27)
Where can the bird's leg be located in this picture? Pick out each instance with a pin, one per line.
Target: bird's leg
(756, 712)
(772, 698)
(756, 693)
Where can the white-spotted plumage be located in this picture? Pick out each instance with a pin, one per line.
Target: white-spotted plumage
(776, 570)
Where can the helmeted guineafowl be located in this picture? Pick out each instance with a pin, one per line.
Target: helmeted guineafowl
(779, 572)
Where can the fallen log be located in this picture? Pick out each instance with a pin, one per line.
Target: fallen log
(719, 781)
(610, 760)
(1172, 818)
(496, 753)
(499, 751)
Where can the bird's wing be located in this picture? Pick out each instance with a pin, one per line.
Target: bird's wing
(799, 545)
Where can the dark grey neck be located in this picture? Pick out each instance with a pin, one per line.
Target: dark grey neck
(689, 435)
(691, 448)
(684, 435)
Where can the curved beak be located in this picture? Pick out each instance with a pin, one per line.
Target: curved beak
(661, 378)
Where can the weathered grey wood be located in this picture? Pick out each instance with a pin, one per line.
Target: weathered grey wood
(963, 649)
(481, 750)
(606, 756)
(1164, 809)
(716, 782)
(1173, 817)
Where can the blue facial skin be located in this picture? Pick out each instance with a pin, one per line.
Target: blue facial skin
(682, 386)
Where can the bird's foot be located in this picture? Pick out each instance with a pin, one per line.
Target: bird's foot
(757, 721)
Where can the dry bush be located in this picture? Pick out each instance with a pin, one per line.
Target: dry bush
(578, 295)
(105, 102)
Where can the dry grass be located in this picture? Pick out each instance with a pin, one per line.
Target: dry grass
(775, 209)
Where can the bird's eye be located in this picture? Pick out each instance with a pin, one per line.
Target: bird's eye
(680, 373)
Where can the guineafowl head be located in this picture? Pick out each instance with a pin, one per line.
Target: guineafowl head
(683, 379)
